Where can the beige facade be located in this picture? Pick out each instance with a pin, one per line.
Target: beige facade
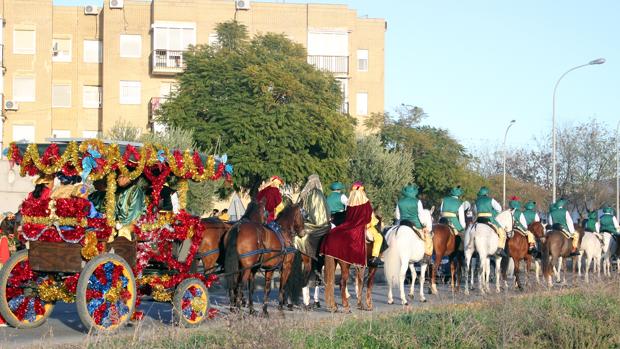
(72, 74)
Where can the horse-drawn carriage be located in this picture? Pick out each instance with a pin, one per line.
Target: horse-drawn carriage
(105, 248)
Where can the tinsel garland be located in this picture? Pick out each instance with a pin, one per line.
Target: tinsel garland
(106, 295)
(110, 199)
(157, 182)
(24, 305)
(90, 249)
(182, 191)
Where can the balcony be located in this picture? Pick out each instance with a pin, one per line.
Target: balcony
(344, 108)
(338, 65)
(167, 62)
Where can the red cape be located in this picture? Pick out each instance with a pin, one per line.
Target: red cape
(347, 241)
(272, 198)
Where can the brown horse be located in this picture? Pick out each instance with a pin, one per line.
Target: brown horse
(445, 243)
(251, 246)
(555, 247)
(330, 276)
(211, 246)
(518, 248)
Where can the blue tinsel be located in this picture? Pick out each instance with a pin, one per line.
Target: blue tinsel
(30, 314)
(16, 302)
(93, 304)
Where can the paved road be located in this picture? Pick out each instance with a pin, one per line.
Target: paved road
(64, 325)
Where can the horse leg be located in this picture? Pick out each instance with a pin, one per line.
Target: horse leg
(436, 264)
(558, 273)
(537, 270)
(285, 273)
(369, 286)
(250, 277)
(498, 261)
(517, 272)
(579, 263)
(467, 271)
(452, 275)
(413, 278)
(344, 267)
(587, 273)
(402, 273)
(422, 277)
(359, 285)
(329, 271)
(268, 276)
(305, 293)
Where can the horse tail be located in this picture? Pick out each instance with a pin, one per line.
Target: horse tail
(231, 259)
(392, 260)
(545, 258)
(296, 279)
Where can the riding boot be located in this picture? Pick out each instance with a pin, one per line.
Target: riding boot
(574, 253)
(500, 252)
(532, 250)
(375, 262)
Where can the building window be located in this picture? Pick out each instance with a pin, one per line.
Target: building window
(131, 46)
(213, 40)
(61, 50)
(173, 36)
(362, 60)
(61, 134)
(24, 89)
(61, 95)
(362, 103)
(91, 97)
(130, 92)
(90, 134)
(93, 52)
(23, 133)
(24, 41)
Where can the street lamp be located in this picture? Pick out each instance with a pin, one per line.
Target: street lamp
(617, 170)
(553, 155)
(512, 122)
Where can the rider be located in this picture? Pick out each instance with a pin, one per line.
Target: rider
(408, 211)
(530, 213)
(591, 224)
(560, 219)
(520, 223)
(609, 223)
(337, 202)
(273, 198)
(453, 211)
(487, 209)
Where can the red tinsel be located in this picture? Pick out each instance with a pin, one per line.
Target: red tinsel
(157, 182)
(213, 313)
(98, 313)
(72, 207)
(198, 162)
(36, 207)
(70, 283)
(50, 155)
(131, 153)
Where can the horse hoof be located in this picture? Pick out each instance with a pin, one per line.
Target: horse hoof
(423, 300)
(317, 305)
(410, 296)
(466, 292)
(289, 307)
(332, 309)
(346, 310)
(390, 302)
(405, 304)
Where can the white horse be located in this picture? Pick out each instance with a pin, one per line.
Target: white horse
(405, 248)
(591, 248)
(609, 249)
(483, 239)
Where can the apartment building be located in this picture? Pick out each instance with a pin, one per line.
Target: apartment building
(76, 71)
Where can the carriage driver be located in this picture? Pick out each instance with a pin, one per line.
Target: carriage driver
(520, 223)
(487, 209)
(560, 219)
(273, 198)
(452, 210)
(408, 211)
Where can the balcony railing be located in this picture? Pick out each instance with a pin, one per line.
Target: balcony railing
(344, 108)
(167, 62)
(332, 64)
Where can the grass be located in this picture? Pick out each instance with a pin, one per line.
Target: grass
(575, 318)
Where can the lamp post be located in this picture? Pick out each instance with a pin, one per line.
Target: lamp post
(553, 155)
(617, 170)
(512, 122)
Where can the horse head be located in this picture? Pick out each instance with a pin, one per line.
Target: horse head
(505, 219)
(537, 229)
(292, 219)
(255, 212)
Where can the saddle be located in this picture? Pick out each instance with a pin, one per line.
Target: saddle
(520, 231)
(487, 221)
(445, 221)
(417, 231)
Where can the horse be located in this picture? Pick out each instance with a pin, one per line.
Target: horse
(538, 229)
(250, 246)
(518, 248)
(211, 246)
(481, 238)
(405, 247)
(591, 247)
(445, 243)
(556, 247)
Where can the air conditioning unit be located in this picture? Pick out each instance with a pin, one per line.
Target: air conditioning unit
(91, 10)
(116, 3)
(10, 105)
(242, 4)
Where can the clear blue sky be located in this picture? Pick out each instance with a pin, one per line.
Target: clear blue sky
(475, 65)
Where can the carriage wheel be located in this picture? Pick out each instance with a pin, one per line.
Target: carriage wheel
(190, 305)
(106, 293)
(20, 304)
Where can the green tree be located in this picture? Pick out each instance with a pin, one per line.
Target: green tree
(262, 103)
(383, 172)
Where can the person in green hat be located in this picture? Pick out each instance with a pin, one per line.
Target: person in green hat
(520, 223)
(452, 210)
(337, 203)
(560, 219)
(487, 209)
(609, 222)
(408, 211)
(530, 213)
(591, 224)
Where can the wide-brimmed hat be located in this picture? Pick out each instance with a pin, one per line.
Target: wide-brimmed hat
(456, 191)
(44, 179)
(608, 209)
(514, 203)
(483, 191)
(530, 205)
(410, 191)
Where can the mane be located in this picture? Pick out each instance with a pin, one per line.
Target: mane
(253, 206)
(287, 211)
